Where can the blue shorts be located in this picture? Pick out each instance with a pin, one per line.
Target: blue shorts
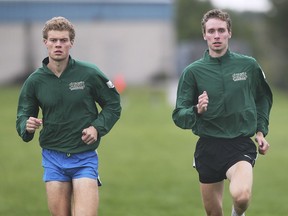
(64, 167)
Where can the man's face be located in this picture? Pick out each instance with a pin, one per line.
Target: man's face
(58, 45)
(217, 36)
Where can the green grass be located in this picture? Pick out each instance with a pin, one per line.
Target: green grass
(145, 164)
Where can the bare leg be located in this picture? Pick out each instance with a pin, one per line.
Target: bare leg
(241, 180)
(85, 196)
(212, 195)
(59, 198)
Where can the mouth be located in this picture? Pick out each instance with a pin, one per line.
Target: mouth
(58, 52)
(217, 44)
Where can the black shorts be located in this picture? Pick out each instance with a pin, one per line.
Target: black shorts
(214, 156)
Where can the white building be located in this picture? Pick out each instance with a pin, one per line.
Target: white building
(133, 38)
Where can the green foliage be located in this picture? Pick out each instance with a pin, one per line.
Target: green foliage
(277, 34)
(265, 34)
(188, 18)
(277, 20)
(145, 164)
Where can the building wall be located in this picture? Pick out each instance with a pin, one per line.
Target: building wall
(136, 50)
(133, 42)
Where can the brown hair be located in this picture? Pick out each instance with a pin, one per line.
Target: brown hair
(59, 24)
(219, 14)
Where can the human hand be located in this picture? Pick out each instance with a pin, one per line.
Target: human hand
(32, 124)
(89, 135)
(263, 145)
(203, 101)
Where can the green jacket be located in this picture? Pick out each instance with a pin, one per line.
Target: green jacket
(239, 97)
(68, 105)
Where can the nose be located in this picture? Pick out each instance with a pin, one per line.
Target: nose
(216, 34)
(58, 43)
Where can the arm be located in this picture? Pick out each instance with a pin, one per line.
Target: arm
(188, 104)
(27, 113)
(109, 101)
(263, 101)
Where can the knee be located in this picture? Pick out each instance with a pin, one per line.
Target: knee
(214, 209)
(242, 198)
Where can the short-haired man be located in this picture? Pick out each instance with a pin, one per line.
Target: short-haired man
(67, 90)
(225, 99)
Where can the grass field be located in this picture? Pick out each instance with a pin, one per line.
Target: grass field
(145, 164)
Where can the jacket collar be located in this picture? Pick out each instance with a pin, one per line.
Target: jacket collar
(46, 61)
(207, 57)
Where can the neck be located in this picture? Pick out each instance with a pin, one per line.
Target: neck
(217, 53)
(57, 67)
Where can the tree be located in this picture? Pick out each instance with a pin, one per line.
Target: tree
(190, 12)
(277, 33)
(265, 34)
(188, 15)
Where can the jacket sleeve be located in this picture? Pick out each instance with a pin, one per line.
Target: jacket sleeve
(109, 100)
(184, 115)
(27, 106)
(263, 100)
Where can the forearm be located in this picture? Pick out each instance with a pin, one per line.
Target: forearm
(185, 118)
(21, 129)
(107, 118)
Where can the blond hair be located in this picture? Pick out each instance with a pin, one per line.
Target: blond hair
(58, 24)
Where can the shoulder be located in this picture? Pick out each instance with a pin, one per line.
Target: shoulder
(243, 58)
(88, 67)
(35, 76)
(195, 66)
(33, 80)
(85, 65)
(91, 71)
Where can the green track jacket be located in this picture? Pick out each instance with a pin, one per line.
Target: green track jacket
(239, 97)
(68, 105)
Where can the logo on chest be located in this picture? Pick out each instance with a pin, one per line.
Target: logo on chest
(77, 85)
(239, 76)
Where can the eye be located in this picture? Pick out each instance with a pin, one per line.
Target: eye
(222, 30)
(211, 31)
(64, 40)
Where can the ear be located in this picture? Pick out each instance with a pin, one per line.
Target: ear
(45, 42)
(204, 37)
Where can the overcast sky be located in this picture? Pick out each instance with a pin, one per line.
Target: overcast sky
(243, 5)
(238, 5)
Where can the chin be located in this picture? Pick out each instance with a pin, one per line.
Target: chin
(58, 58)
